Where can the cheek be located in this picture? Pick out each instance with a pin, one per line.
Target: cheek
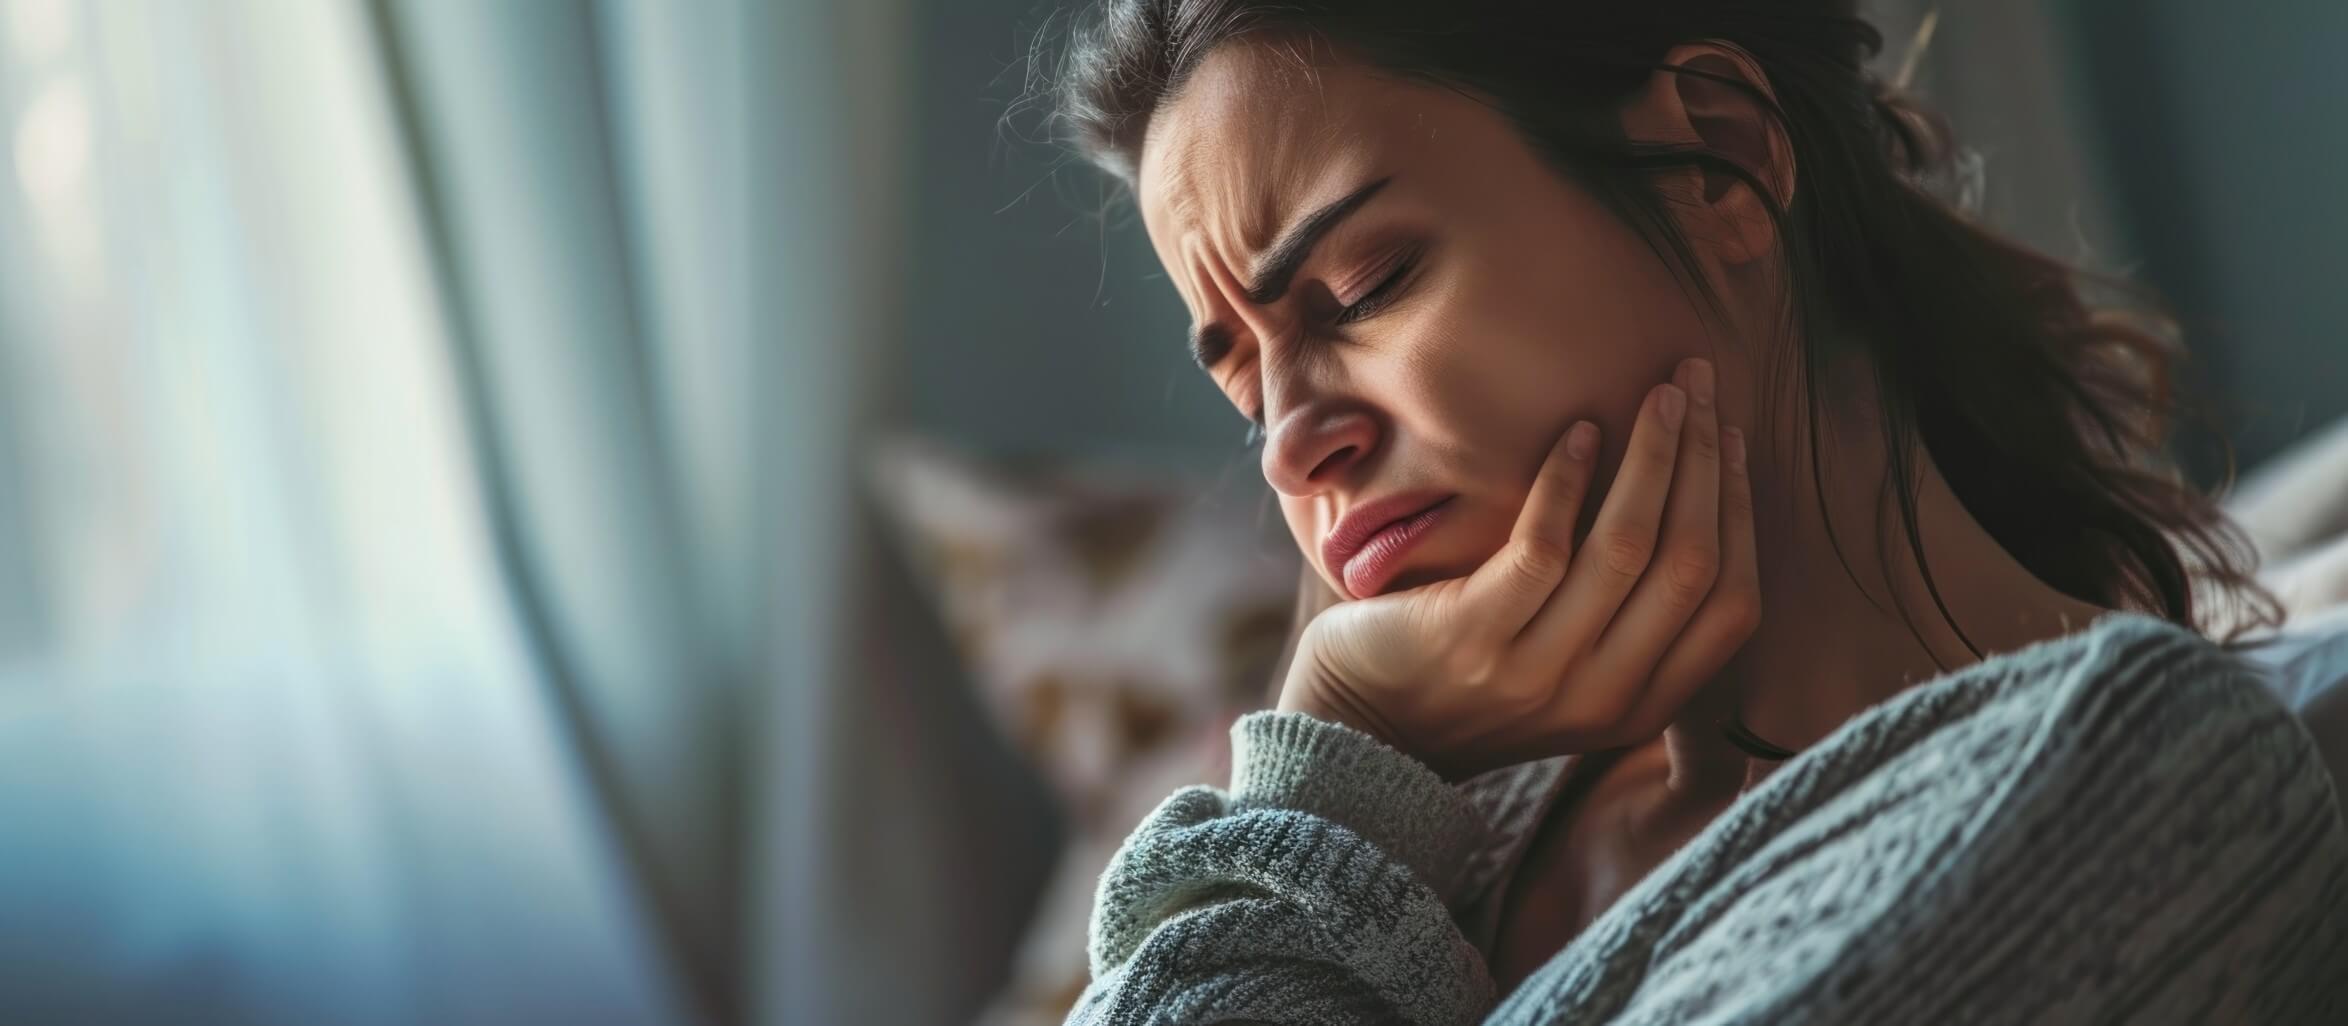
(1521, 342)
(1516, 363)
(1591, 319)
(1560, 318)
(1304, 524)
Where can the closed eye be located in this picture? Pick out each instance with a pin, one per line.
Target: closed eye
(1381, 294)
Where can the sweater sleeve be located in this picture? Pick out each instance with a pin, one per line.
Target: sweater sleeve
(1313, 890)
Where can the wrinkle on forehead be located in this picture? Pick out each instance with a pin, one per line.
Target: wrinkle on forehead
(1248, 129)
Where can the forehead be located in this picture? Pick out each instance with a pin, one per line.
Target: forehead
(1257, 128)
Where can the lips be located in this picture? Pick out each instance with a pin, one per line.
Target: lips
(1365, 548)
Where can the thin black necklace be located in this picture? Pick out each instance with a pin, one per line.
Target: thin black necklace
(1750, 743)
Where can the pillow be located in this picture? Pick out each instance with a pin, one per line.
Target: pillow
(2298, 499)
(1115, 623)
(2307, 667)
(2294, 510)
(2312, 582)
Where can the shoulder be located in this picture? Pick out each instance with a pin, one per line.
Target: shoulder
(2129, 713)
(2135, 690)
(2132, 750)
(2139, 763)
(2108, 820)
(2128, 690)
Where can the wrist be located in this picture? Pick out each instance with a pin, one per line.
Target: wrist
(1313, 693)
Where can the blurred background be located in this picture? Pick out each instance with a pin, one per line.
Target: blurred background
(675, 511)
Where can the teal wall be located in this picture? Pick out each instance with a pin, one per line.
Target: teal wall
(2224, 131)
(1031, 323)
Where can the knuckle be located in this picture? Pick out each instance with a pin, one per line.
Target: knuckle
(1589, 706)
(1590, 716)
(1625, 554)
(1542, 559)
(1703, 445)
(1658, 452)
(1662, 440)
(1737, 503)
(1742, 610)
(1476, 665)
(1731, 615)
(1569, 490)
(1692, 570)
(1520, 698)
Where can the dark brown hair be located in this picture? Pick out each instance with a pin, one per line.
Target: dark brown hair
(2046, 414)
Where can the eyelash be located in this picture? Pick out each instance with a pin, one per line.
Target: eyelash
(1377, 298)
(1370, 303)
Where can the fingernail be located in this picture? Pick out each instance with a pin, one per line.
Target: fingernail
(1581, 442)
(1673, 406)
(1700, 381)
(1732, 443)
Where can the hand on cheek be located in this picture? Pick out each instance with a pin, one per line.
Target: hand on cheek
(1561, 643)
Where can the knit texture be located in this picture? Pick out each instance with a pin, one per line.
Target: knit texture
(2120, 825)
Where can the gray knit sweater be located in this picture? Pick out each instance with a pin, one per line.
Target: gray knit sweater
(2117, 826)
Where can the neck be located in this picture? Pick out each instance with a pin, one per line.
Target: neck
(1842, 634)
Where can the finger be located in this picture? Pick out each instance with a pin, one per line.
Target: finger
(1609, 561)
(1687, 559)
(1555, 502)
(1512, 586)
(1729, 615)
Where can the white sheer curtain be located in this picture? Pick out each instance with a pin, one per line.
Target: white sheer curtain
(269, 748)
(426, 559)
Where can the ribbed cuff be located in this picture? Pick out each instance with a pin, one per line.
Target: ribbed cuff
(1292, 760)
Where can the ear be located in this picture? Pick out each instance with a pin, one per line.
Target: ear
(1704, 96)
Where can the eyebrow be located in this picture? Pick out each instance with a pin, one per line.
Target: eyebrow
(1278, 266)
(1276, 270)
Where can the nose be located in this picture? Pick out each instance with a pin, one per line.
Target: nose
(1311, 448)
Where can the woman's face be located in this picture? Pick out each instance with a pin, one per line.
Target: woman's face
(1454, 306)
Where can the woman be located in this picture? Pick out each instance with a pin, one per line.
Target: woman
(1751, 593)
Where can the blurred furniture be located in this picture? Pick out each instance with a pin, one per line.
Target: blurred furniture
(1114, 622)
